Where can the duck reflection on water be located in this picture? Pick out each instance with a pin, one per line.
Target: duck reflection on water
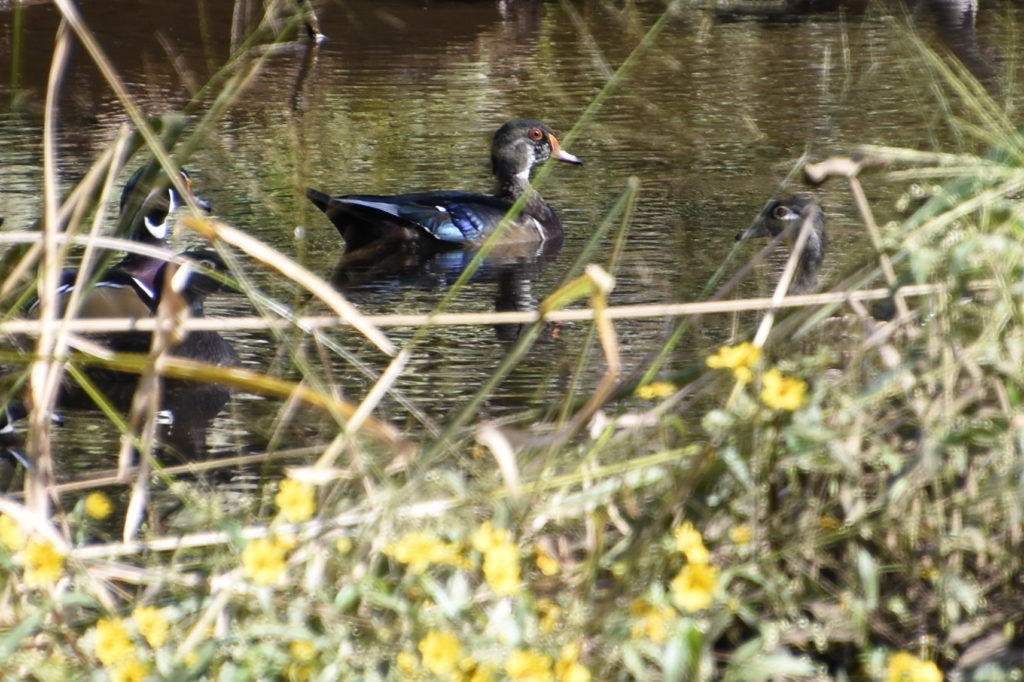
(385, 268)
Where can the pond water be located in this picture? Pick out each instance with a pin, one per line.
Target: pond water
(710, 117)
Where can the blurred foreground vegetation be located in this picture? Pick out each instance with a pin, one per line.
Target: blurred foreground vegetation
(838, 494)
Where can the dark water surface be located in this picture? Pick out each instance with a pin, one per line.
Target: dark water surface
(405, 95)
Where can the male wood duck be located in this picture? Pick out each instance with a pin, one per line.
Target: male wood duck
(133, 287)
(779, 215)
(119, 294)
(117, 288)
(119, 291)
(437, 221)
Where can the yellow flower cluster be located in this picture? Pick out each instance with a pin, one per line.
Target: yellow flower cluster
(740, 359)
(44, 565)
(691, 544)
(524, 665)
(487, 536)
(778, 392)
(528, 666)
(113, 644)
(548, 614)
(441, 652)
(501, 569)
(263, 560)
(693, 589)
(650, 621)
(568, 667)
(114, 649)
(301, 666)
(152, 625)
(501, 558)
(406, 662)
(132, 670)
(98, 506)
(442, 656)
(906, 667)
(296, 501)
(419, 549)
(782, 393)
(656, 389)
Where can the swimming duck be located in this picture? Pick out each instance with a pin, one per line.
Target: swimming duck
(780, 214)
(119, 291)
(444, 220)
(133, 287)
(117, 287)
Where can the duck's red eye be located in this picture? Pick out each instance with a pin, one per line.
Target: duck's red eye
(781, 212)
(536, 134)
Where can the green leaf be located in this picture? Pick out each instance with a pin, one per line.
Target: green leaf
(10, 642)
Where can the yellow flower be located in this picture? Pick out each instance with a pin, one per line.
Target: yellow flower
(694, 587)
(113, 645)
(656, 389)
(406, 661)
(44, 565)
(487, 536)
(690, 543)
(547, 564)
(131, 670)
(295, 500)
(548, 613)
(303, 650)
(263, 560)
(419, 549)
(782, 393)
(740, 359)
(441, 652)
(528, 666)
(98, 505)
(501, 569)
(651, 621)
(741, 534)
(343, 544)
(11, 534)
(568, 668)
(152, 625)
(905, 667)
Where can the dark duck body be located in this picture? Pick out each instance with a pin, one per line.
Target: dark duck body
(192, 287)
(437, 221)
(793, 213)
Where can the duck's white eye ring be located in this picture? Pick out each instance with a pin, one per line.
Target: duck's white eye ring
(781, 212)
(536, 134)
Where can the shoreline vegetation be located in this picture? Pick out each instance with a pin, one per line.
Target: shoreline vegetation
(835, 494)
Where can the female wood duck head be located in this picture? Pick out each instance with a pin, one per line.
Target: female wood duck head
(435, 221)
(792, 214)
